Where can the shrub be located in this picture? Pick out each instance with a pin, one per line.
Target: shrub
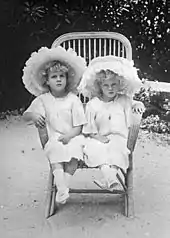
(156, 103)
(153, 123)
(8, 113)
(156, 118)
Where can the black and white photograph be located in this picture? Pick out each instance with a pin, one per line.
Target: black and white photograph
(85, 118)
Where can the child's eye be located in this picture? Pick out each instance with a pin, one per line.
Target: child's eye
(62, 75)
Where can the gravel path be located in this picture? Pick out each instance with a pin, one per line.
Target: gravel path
(23, 181)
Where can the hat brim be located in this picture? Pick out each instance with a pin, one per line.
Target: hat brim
(33, 77)
(123, 67)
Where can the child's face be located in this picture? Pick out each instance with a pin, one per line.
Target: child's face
(110, 87)
(57, 81)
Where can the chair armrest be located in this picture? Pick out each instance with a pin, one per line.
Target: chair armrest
(43, 134)
(134, 127)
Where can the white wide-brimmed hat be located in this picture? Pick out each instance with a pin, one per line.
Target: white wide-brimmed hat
(34, 71)
(119, 65)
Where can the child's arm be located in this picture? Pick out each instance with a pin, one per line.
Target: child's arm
(73, 133)
(35, 113)
(38, 119)
(138, 106)
(99, 137)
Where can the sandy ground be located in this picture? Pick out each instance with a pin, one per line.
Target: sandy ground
(23, 184)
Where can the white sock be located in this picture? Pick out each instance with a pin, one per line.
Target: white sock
(109, 174)
(59, 179)
(112, 176)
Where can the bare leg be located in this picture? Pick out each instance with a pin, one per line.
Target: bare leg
(71, 166)
(69, 169)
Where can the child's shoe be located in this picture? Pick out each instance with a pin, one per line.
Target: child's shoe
(110, 187)
(62, 196)
(115, 186)
(101, 184)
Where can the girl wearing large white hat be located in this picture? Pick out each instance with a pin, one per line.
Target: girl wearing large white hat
(110, 81)
(52, 75)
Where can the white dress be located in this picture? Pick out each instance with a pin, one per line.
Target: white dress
(62, 114)
(111, 119)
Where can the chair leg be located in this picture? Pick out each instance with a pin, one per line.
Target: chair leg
(49, 194)
(53, 203)
(129, 201)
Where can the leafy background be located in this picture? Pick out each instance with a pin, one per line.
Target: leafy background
(26, 25)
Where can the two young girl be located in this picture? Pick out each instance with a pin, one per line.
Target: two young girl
(52, 75)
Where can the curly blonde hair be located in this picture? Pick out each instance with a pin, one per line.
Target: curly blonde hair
(103, 75)
(55, 66)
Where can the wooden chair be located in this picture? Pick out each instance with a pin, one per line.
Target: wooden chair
(90, 45)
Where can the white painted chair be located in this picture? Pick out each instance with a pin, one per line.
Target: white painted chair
(90, 45)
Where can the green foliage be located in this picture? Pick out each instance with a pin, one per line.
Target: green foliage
(33, 11)
(9, 113)
(156, 102)
(153, 123)
(144, 22)
(30, 24)
(156, 118)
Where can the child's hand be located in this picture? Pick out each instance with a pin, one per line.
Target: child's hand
(103, 139)
(138, 107)
(39, 120)
(64, 139)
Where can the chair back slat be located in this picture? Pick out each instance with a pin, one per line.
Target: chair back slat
(114, 47)
(119, 49)
(84, 48)
(74, 45)
(89, 49)
(100, 47)
(93, 44)
(69, 44)
(105, 47)
(94, 50)
(110, 46)
(64, 44)
(78, 47)
(123, 51)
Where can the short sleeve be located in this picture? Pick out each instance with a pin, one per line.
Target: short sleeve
(78, 115)
(90, 127)
(36, 107)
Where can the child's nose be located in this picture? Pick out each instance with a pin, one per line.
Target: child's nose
(58, 78)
